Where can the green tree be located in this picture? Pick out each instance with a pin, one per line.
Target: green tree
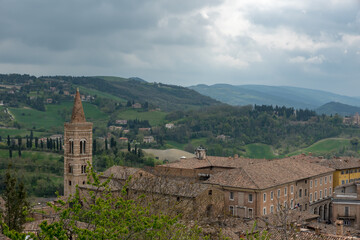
(355, 142)
(16, 203)
(8, 140)
(106, 216)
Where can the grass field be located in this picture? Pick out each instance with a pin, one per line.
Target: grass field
(18, 132)
(100, 94)
(324, 146)
(259, 150)
(53, 116)
(155, 118)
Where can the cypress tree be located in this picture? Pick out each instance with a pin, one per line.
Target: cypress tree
(8, 140)
(31, 138)
(16, 203)
(10, 153)
(41, 144)
(36, 142)
(106, 144)
(19, 152)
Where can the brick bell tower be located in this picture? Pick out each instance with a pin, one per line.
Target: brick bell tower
(77, 148)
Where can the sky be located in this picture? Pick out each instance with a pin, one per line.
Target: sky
(302, 43)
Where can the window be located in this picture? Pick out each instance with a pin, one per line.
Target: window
(83, 168)
(279, 192)
(231, 210)
(330, 192)
(83, 182)
(320, 181)
(342, 172)
(320, 195)
(285, 191)
(292, 189)
(347, 171)
(272, 209)
(342, 182)
(210, 192)
(250, 197)
(310, 183)
(82, 147)
(264, 197)
(305, 192)
(325, 193)
(264, 211)
(231, 196)
(292, 203)
(325, 180)
(315, 196)
(271, 195)
(69, 183)
(70, 169)
(71, 146)
(329, 179)
(285, 204)
(347, 181)
(250, 211)
(346, 211)
(310, 197)
(300, 193)
(316, 183)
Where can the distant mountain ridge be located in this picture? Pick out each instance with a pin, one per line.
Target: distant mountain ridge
(337, 108)
(272, 95)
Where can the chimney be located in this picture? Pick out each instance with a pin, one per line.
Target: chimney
(200, 153)
(339, 227)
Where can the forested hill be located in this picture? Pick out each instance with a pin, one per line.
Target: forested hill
(156, 95)
(272, 95)
(333, 108)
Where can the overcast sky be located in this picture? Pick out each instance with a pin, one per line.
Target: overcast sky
(312, 44)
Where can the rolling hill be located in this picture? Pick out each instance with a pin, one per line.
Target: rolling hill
(272, 95)
(339, 108)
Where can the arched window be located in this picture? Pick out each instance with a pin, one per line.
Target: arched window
(71, 146)
(82, 147)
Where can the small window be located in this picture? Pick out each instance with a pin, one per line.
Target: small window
(305, 192)
(264, 211)
(292, 203)
(231, 196)
(272, 209)
(271, 195)
(320, 181)
(264, 197)
(342, 172)
(250, 213)
(311, 182)
(69, 183)
(325, 193)
(82, 147)
(231, 210)
(83, 182)
(311, 197)
(70, 169)
(330, 192)
(316, 183)
(300, 193)
(285, 191)
(250, 197)
(71, 147)
(325, 180)
(315, 196)
(210, 192)
(342, 182)
(292, 189)
(320, 195)
(279, 192)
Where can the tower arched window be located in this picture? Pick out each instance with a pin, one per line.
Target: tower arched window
(82, 147)
(71, 146)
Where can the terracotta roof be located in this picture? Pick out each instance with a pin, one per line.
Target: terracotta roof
(341, 163)
(210, 161)
(268, 174)
(78, 115)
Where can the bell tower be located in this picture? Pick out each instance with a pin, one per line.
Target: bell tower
(77, 148)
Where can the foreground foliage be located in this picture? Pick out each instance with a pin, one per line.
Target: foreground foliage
(103, 215)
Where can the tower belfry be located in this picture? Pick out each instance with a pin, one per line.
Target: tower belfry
(77, 148)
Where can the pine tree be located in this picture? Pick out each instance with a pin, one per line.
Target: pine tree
(16, 203)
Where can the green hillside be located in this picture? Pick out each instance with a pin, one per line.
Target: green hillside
(325, 146)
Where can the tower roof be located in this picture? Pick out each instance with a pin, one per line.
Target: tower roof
(78, 115)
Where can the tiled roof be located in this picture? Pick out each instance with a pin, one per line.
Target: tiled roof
(210, 161)
(341, 163)
(268, 174)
